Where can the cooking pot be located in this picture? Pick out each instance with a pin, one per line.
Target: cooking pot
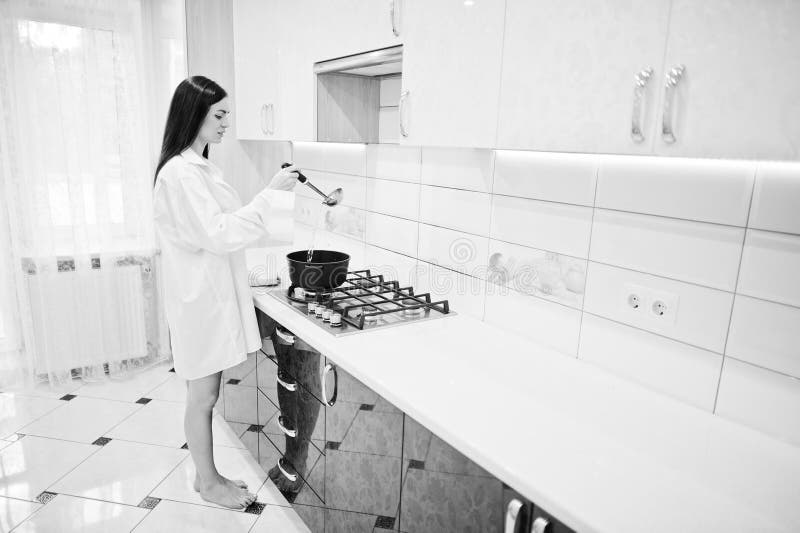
(326, 270)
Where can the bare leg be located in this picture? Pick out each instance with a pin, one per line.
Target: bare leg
(201, 396)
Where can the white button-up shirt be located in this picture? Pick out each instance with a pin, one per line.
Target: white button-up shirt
(202, 230)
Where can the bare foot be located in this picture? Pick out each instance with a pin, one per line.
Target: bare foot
(226, 494)
(236, 482)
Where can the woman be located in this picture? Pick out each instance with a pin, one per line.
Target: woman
(202, 229)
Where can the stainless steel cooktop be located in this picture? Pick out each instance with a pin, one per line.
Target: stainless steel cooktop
(364, 302)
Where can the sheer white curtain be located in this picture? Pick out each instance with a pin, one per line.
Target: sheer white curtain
(84, 87)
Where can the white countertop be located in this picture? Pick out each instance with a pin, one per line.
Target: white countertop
(599, 453)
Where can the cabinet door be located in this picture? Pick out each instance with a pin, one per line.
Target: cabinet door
(445, 491)
(255, 52)
(348, 27)
(569, 74)
(740, 92)
(451, 72)
(364, 437)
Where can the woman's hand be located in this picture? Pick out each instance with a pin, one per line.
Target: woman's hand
(285, 179)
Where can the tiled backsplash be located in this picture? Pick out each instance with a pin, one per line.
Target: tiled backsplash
(552, 246)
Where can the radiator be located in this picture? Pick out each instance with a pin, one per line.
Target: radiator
(89, 317)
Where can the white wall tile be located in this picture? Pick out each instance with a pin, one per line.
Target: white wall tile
(548, 275)
(346, 158)
(771, 267)
(569, 178)
(353, 187)
(388, 125)
(548, 226)
(455, 209)
(394, 198)
(679, 370)
(393, 266)
(702, 314)
(396, 234)
(390, 91)
(776, 198)
(765, 334)
(762, 399)
(454, 250)
(702, 253)
(465, 294)
(393, 162)
(459, 168)
(545, 322)
(696, 189)
(341, 219)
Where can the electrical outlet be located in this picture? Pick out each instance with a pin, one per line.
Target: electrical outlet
(656, 305)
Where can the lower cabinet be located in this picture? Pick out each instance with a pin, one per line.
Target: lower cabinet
(350, 461)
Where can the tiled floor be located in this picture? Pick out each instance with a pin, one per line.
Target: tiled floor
(57, 473)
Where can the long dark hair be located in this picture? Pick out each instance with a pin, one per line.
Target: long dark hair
(190, 104)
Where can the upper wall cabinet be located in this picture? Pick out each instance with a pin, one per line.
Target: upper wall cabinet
(347, 27)
(581, 75)
(274, 70)
(739, 93)
(451, 72)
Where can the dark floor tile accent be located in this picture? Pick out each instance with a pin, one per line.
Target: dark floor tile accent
(330, 445)
(45, 497)
(255, 427)
(171, 370)
(233, 381)
(255, 508)
(367, 407)
(149, 502)
(416, 463)
(144, 400)
(67, 397)
(102, 441)
(384, 522)
(185, 446)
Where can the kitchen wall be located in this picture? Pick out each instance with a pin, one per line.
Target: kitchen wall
(554, 247)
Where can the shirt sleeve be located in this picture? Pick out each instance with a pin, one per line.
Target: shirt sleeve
(201, 221)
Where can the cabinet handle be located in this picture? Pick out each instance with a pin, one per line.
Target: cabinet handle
(264, 119)
(287, 475)
(272, 119)
(325, 372)
(401, 111)
(512, 513)
(540, 525)
(393, 17)
(291, 387)
(289, 432)
(674, 77)
(639, 92)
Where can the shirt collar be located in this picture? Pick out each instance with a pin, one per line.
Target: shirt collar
(193, 157)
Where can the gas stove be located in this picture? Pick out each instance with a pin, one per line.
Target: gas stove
(364, 302)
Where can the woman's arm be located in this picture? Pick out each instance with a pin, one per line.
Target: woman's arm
(201, 222)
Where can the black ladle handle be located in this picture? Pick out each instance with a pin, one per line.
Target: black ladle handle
(300, 177)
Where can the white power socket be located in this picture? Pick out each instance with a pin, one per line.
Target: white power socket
(650, 303)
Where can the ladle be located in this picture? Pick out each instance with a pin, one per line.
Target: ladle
(328, 199)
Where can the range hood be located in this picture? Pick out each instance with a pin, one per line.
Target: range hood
(357, 97)
(384, 62)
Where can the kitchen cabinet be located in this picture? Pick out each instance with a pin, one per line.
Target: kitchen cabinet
(443, 490)
(274, 78)
(363, 451)
(738, 96)
(348, 27)
(569, 73)
(452, 53)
